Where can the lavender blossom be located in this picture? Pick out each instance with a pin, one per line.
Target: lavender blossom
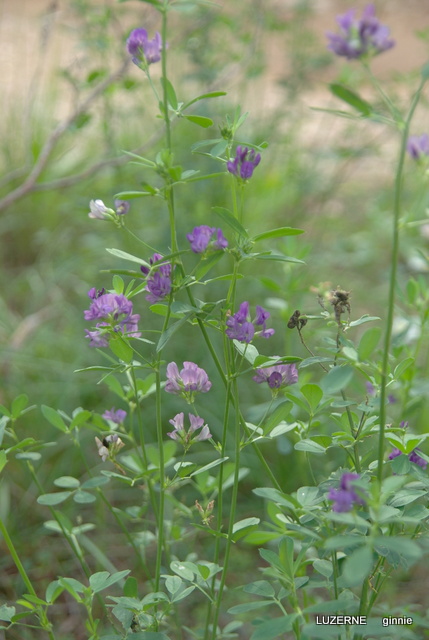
(243, 329)
(345, 497)
(99, 211)
(117, 416)
(360, 38)
(109, 446)
(418, 146)
(186, 438)
(116, 311)
(201, 239)
(244, 163)
(159, 281)
(144, 51)
(191, 379)
(122, 207)
(277, 376)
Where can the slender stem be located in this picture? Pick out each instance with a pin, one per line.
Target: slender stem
(392, 283)
(15, 558)
(237, 443)
(161, 482)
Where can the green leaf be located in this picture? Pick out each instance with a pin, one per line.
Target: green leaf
(211, 94)
(53, 590)
(307, 444)
(425, 71)
(83, 497)
(249, 351)
(272, 559)
(131, 195)
(18, 405)
(230, 220)
(201, 121)
(96, 481)
(6, 613)
(273, 628)
(268, 493)
(277, 257)
(3, 460)
(120, 347)
(357, 566)
(118, 284)
(362, 320)
(171, 94)
(128, 256)
(324, 567)
(166, 335)
(182, 569)
(279, 415)
(407, 549)
(243, 527)
(67, 482)
(313, 394)
(54, 418)
(402, 367)
(277, 233)
(368, 343)
(351, 98)
(406, 496)
(102, 579)
(206, 467)
(183, 594)
(173, 584)
(338, 378)
(50, 499)
(207, 264)
(249, 606)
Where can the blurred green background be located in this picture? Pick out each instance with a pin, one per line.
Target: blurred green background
(331, 177)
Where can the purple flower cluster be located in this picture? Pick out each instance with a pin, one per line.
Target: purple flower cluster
(244, 163)
(345, 497)
(277, 376)
(359, 38)
(190, 380)
(116, 313)
(204, 238)
(142, 49)
(418, 146)
(188, 437)
(117, 416)
(159, 281)
(413, 457)
(243, 329)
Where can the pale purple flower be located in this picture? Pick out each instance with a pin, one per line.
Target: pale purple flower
(360, 37)
(242, 328)
(142, 49)
(370, 389)
(122, 207)
(189, 437)
(418, 146)
(190, 380)
(117, 416)
(244, 163)
(202, 238)
(99, 211)
(109, 446)
(159, 279)
(345, 497)
(116, 312)
(277, 376)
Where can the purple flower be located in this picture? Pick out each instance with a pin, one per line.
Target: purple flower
(159, 281)
(418, 146)
(370, 389)
(117, 416)
(142, 49)
(359, 38)
(242, 328)
(277, 376)
(116, 311)
(122, 207)
(191, 379)
(244, 163)
(413, 457)
(189, 437)
(201, 239)
(345, 497)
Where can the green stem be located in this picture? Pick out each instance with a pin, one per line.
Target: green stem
(392, 283)
(161, 481)
(237, 447)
